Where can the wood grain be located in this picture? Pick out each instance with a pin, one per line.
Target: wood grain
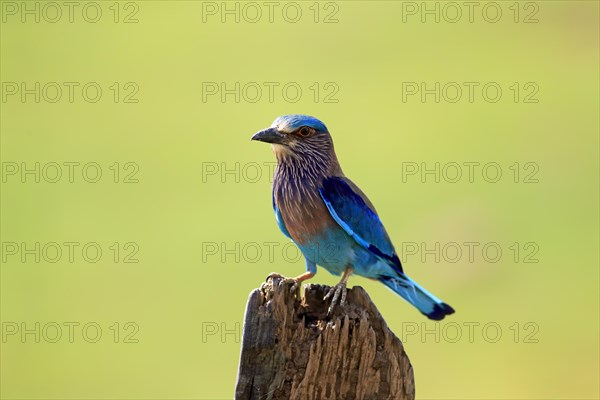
(291, 349)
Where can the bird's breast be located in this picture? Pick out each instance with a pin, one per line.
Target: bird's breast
(303, 211)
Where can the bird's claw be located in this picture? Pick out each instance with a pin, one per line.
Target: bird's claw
(274, 275)
(339, 293)
(295, 283)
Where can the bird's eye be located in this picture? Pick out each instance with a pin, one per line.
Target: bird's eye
(305, 131)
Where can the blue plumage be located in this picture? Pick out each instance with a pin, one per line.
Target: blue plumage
(330, 219)
(289, 123)
(357, 219)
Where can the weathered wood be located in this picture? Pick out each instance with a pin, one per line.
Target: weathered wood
(291, 349)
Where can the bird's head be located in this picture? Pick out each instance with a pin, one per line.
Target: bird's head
(298, 136)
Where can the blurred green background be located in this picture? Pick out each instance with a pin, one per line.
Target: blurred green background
(193, 207)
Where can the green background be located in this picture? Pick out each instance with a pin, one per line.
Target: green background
(179, 292)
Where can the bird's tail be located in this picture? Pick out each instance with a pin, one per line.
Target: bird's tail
(428, 304)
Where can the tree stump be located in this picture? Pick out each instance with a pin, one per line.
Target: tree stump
(291, 348)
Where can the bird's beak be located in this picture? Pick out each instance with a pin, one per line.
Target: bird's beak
(269, 135)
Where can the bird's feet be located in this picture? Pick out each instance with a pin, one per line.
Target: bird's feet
(294, 287)
(275, 275)
(337, 294)
(296, 282)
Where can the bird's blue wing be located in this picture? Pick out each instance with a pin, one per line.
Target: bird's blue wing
(279, 219)
(353, 212)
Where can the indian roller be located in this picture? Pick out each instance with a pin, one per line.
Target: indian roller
(330, 219)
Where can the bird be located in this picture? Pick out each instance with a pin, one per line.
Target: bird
(330, 219)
